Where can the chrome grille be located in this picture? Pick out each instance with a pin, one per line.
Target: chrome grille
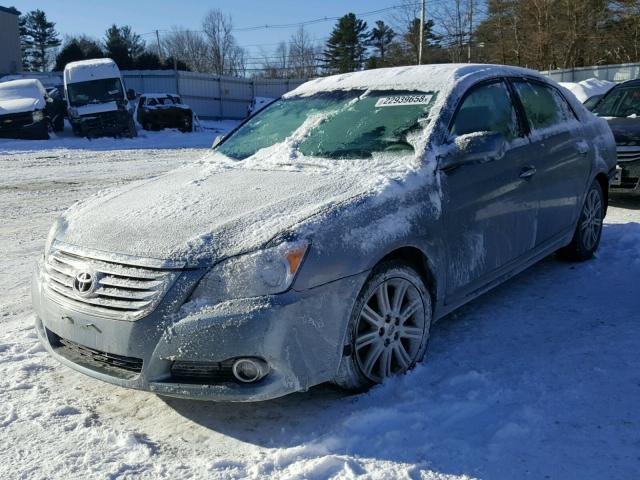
(629, 153)
(122, 291)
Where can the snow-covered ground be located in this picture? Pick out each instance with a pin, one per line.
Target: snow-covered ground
(538, 379)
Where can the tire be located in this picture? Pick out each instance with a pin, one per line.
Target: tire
(58, 124)
(131, 131)
(388, 329)
(586, 238)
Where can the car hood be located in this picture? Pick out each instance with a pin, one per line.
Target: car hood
(93, 108)
(625, 130)
(18, 105)
(198, 217)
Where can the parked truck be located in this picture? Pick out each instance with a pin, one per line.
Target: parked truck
(97, 103)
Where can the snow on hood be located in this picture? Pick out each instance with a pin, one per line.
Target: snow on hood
(21, 96)
(20, 105)
(197, 216)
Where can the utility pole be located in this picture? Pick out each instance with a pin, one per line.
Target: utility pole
(470, 18)
(158, 40)
(421, 32)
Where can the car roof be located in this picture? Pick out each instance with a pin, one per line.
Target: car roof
(417, 78)
(630, 83)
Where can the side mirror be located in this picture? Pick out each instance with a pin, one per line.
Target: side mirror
(131, 94)
(49, 99)
(218, 140)
(479, 147)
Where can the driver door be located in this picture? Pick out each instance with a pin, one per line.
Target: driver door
(489, 205)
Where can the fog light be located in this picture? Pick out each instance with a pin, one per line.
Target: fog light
(249, 370)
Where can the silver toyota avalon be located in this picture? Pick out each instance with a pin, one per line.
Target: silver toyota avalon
(321, 239)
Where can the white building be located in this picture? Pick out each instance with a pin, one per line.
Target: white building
(10, 57)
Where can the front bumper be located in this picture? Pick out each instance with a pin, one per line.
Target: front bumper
(299, 334)
(628, 169)
(103, 124)
(24, 129)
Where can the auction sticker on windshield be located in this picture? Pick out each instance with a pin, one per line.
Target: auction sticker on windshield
(404, 100)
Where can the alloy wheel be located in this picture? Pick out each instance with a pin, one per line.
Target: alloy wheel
(591, 219)
(390, 329)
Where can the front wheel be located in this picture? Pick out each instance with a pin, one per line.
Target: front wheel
(586, 238)
(388, 329)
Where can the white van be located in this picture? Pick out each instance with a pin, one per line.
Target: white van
(97, 104)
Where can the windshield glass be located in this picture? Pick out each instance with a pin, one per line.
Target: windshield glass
(336, 125)
(168, 100)
(95, 91)
(620, 102)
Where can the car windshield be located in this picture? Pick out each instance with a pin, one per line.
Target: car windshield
(336, 125)
(95, 91)
(168, 100)
(620, 102)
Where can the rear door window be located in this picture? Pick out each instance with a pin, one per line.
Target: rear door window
(543, 105)
(487, 108)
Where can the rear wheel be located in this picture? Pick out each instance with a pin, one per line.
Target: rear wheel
(389, 327)
(586, 238)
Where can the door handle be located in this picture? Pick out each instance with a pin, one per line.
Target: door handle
(528, 172)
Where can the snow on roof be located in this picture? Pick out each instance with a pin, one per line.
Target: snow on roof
(93, 69)
(588, 88)
(419, 77)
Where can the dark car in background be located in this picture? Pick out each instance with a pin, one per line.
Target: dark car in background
(25, 110)
(621, 108)
(57, 107)
(157, 111)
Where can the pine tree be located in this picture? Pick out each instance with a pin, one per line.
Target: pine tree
(345, 49)
(412, 38)
(37, 37)
(381, 37)
(77, 48)
(123, 46)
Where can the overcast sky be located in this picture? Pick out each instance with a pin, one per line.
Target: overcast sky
(145, 16)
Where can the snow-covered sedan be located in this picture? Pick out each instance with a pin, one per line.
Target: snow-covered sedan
(322, 238)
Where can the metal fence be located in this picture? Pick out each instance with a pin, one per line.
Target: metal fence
(210, 96)
(613, 73)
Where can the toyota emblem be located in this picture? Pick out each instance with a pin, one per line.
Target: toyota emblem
(84, 283)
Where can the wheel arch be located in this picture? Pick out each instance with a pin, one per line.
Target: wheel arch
(420, 261)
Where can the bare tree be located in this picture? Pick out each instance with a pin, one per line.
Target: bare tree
(275, 65)
(302, 55)
(188, 46)
(227, 58)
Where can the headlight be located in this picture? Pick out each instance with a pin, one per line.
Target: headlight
(37, 116)
(265, 272)
(53, 233)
